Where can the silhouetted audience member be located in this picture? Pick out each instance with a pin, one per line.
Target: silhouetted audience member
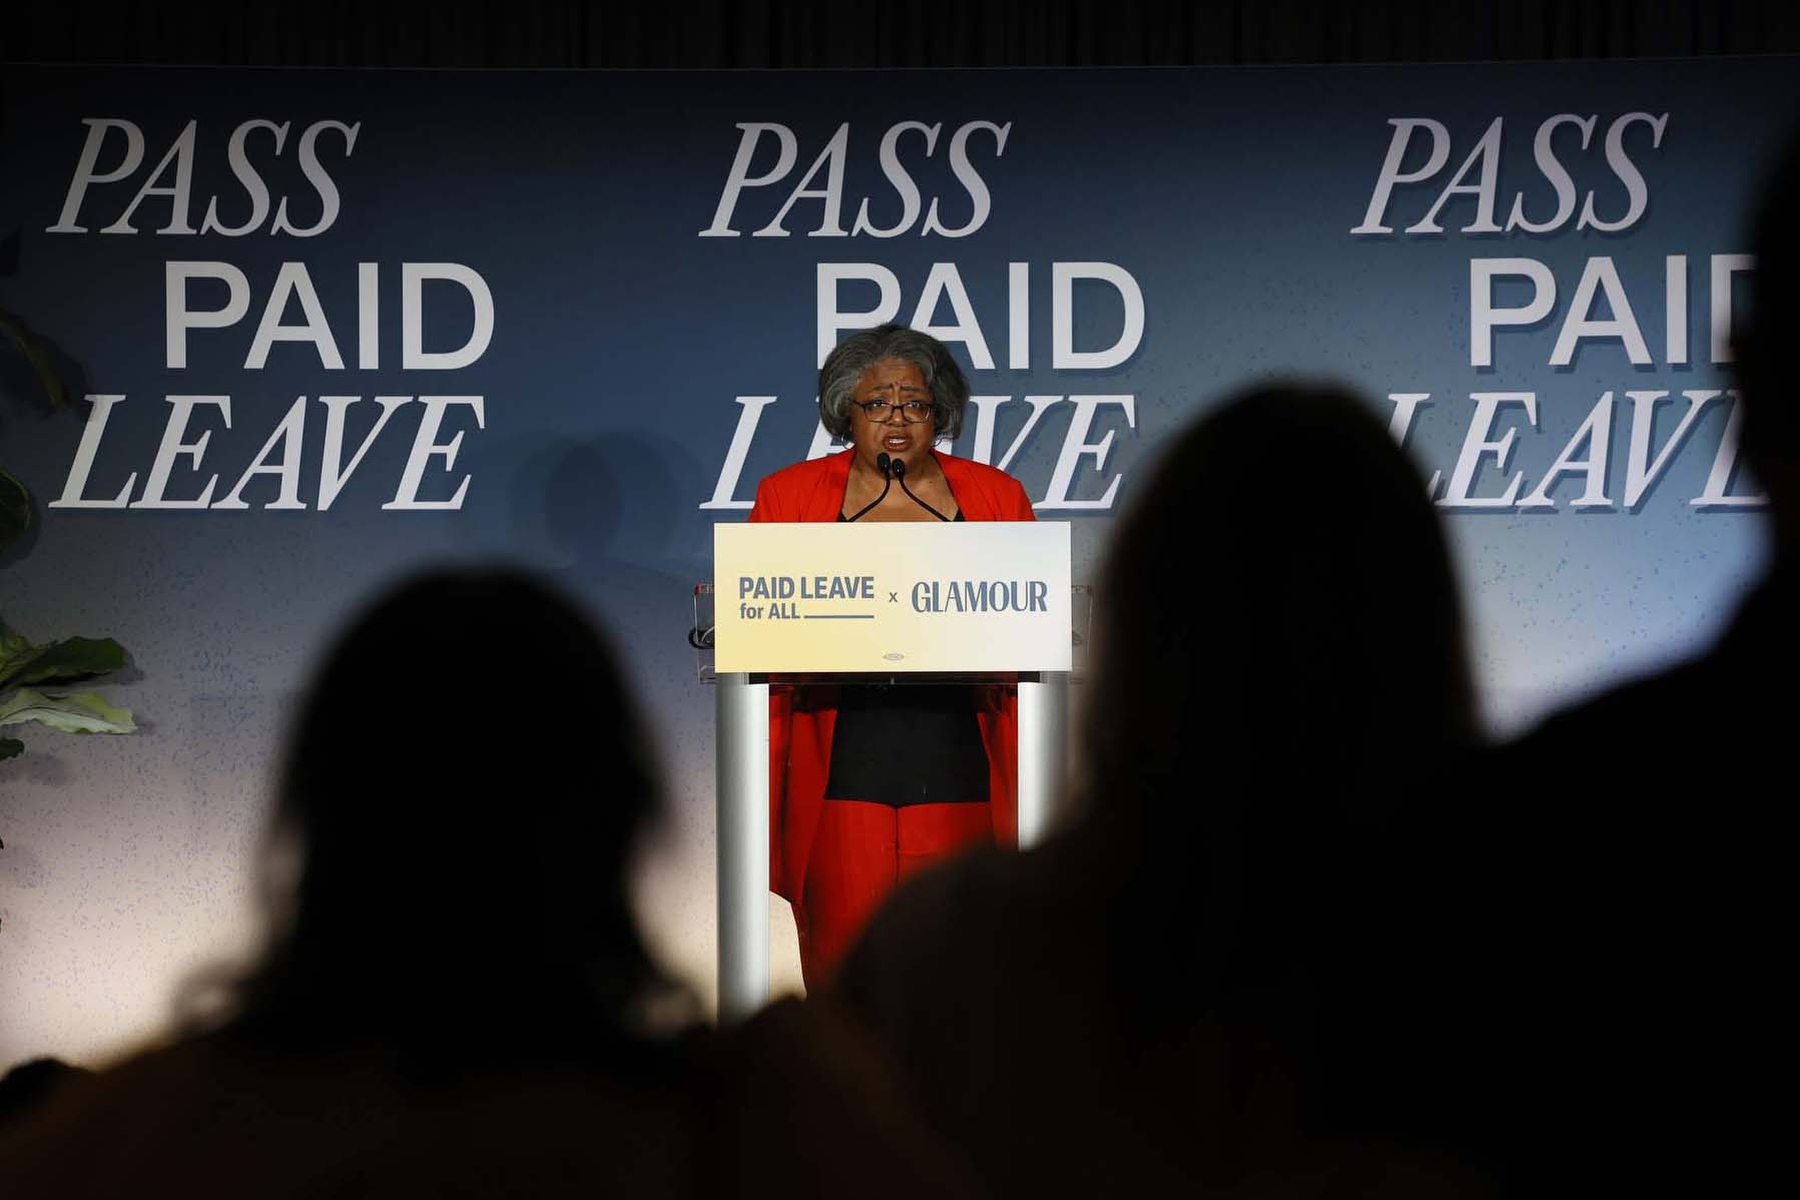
(1230, 974)
(28, 1086)
(1653, 882)
(458, 1001)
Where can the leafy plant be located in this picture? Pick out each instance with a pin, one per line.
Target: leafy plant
(15, 501)
(15, 510)
(23, 666)
(33, 351)
(26, 668)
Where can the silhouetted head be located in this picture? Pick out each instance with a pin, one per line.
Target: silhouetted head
(28, 1087)
(465, 786)
(1278, 616)
(1771, 438)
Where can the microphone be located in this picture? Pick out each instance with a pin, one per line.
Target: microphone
(889, 467)
(900, 474)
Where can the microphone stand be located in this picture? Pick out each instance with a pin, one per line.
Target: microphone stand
(890, 468)
(900, 474)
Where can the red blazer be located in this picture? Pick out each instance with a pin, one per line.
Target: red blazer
(801, 716)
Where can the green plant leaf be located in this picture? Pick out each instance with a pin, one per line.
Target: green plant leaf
(15, 510)
(9, 747)
(33, 351)
(83, 712)
(14, 649)
(22, 664)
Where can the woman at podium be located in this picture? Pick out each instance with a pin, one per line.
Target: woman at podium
(868, 783)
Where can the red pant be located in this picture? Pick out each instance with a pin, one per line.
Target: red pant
(862, 851)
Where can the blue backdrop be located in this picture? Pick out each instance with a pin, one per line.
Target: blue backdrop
(1109, 251)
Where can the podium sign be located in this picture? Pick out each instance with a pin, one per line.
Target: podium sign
(957, 599)
(892, 597)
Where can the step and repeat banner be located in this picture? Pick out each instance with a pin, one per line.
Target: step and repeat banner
(322, 328)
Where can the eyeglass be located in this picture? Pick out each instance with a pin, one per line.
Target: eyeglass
(912, 412)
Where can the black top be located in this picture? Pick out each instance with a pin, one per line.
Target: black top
(957, 517)
(908, 744)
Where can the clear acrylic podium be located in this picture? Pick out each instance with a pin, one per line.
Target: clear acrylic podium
(742, 783)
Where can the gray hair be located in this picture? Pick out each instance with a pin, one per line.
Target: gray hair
(860, 351)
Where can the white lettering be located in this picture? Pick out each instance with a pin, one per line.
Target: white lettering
(178, 318)
(293, 280)
(413, 356)
(331, 479)
(426, 447)
(83, 466)
(739, 450)
(84, 169)
(290, 435)
(1404, 128)
(1484, 317)
(1478, 444)
(181, 156)
(318, 177)
(833, 320)
(254, 187)
(1076, 446)
(739, 178)
(156, 486)
(1063, 355)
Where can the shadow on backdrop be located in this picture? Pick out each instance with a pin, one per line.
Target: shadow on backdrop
(605, 518)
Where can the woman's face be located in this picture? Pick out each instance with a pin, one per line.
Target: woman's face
(894, 383)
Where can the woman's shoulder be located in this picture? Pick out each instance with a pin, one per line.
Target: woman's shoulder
(1005, 494)
(806, 472)
(809, 490)
(970, 468)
